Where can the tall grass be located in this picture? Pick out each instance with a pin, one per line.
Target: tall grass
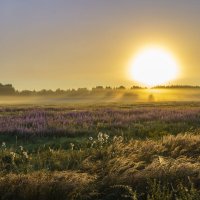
(107, 168)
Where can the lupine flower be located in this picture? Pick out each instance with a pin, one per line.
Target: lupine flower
(43, 122)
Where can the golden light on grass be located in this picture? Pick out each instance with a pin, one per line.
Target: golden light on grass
(153, 66)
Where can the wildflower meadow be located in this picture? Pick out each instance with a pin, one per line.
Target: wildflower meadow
(98, 152)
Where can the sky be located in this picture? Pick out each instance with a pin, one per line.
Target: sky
(84, 43)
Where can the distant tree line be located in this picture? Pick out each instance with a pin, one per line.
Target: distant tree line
(9, 90)
(176, 86)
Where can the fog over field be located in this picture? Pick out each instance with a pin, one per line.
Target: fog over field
(116, 96)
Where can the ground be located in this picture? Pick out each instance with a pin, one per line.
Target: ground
(100, 151)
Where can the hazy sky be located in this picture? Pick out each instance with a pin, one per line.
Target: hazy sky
(84, 43)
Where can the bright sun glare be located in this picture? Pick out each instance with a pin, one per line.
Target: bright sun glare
(154, 66)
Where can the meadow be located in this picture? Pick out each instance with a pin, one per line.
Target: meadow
(100, 151)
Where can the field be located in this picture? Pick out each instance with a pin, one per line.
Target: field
(100, 151)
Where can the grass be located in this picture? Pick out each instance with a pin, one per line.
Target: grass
(146, 157)
(140, 169)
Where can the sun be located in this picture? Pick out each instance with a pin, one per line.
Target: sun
(153, 66)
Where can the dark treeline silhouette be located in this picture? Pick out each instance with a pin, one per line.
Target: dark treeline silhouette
(9, 90)
(176, 86)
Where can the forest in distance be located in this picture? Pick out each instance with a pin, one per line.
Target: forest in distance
(8, 89)
(100, 94)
